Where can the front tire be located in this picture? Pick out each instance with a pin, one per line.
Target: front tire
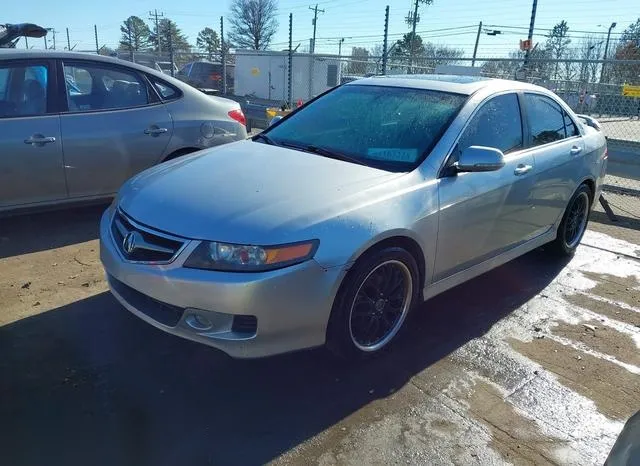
(373, 303)
(574, 222)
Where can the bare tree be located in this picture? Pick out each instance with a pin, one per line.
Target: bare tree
(571, 68)
(253, 23)
(538, 68)
(558, 43)
(591, 48)
(359, 61)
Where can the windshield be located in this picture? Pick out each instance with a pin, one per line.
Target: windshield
(389, 127)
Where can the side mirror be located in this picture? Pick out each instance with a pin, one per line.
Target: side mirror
(274, 120)
(480, 159)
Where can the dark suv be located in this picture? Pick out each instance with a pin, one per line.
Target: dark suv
(206, 75)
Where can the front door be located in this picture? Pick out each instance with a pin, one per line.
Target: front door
(484, 214)
(113, 129)
(31, 164)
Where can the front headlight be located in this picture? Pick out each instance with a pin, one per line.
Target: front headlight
(246, 258)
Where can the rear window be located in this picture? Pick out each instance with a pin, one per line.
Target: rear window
(381, 126)
(166, 90)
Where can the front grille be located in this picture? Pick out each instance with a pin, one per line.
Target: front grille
(164, 313)
(245, 324)
(141, 244)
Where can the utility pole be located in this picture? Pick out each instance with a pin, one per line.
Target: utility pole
(68, 41)
(154, 16)
(45, 42)
(340, 47)
(530, 36)
(95, 33)
(384, 41)
(314, 22)
(223, 56)
(475, 49)
(413, 19)
(53, 32)
(26, 42)
(606, 51)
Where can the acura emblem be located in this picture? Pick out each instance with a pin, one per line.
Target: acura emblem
(131, 241)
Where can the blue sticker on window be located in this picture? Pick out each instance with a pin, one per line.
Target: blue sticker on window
(393, 154)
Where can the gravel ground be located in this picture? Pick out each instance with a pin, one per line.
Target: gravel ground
(534, 363)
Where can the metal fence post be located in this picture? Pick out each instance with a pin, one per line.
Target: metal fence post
(223, 56)
(171, 53)
(290, 71)
(384, 42)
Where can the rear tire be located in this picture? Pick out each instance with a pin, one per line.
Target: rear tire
(574, 223)
(373, 303)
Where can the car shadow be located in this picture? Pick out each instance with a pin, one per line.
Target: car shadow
(35, 232)
(88, 383)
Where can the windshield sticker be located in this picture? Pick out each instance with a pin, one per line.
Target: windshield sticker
(393, 154)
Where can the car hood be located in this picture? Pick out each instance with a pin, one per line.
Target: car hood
(248, 192)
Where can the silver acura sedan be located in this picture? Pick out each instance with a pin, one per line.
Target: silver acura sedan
(331, 225)
(75, 126)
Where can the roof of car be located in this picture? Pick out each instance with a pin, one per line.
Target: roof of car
(442, 82)
(53, 54)
(15, 54)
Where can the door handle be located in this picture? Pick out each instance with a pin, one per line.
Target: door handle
(575, 150)
(38, 140)
(522, 169)
(155, 131)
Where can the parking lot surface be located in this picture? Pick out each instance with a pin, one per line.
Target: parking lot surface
(536, 362)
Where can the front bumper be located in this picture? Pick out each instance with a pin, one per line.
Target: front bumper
(291, 305)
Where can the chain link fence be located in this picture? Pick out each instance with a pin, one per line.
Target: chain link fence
(262, 81)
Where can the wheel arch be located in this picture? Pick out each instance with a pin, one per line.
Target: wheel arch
(401, 239)
(180, 152)
(591, 184)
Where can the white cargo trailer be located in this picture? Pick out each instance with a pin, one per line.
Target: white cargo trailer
(264, 74)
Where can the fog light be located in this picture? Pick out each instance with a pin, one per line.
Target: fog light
(198, 322)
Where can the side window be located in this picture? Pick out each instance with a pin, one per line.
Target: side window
(185, 69)
(497, 124)
(196, 69)
(570, 126)
(23, 90)
(166, 90)
(92, 87)
(546, 119)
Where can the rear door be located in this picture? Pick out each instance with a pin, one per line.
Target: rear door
(485, 214)
(558, 150)
(114, 127)
(31, 164)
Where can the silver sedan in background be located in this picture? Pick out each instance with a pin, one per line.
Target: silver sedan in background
(331, 225)
(74, 127)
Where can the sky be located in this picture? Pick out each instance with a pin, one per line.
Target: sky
(359, 22)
